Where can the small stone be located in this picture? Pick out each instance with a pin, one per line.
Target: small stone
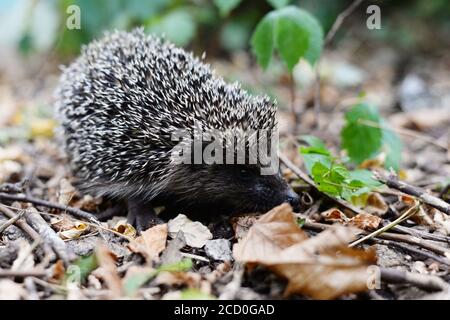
(219, 249)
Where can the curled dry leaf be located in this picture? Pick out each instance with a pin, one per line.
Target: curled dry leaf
(334, 215)
(365, 221)
(322, 267)
(151, 242)
(376, 204)
(195, 233)
(69, 229)
(75, 232)
(123, 227)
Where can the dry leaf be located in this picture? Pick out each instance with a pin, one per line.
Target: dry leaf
(322, 267)
(123, 227)
(365, 221)
(190, 279)
(75, 232)
(107, 270)
(195, 233)
(241, 225)
(151, 242)
(334, 215)
(376, 204)
(66, 192)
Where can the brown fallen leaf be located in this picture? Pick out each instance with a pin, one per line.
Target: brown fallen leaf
(242, 224)
(190, 279)
(334, 215)
(123, 227)
(151, 242)
(376, 204)
(196, 234)
(107, 270)
(322, 267)
(365, 221)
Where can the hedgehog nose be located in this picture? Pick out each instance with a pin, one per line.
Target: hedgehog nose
(294, 200)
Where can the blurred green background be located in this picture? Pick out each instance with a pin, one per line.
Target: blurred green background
(38, 25)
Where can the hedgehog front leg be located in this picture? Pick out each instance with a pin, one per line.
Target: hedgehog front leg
(142, 215)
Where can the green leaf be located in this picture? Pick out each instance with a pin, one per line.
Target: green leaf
(361, 141)
(195, 294)
(138, 280)
(313, 141)
(133, 283)
(182, 266)
(364, 177)
(301, 222)
(393, 146)
(293, 32)
(225, 6)
(277, 4)
(262, 40)
(81, 268)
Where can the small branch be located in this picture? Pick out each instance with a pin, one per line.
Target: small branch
(423, 281)
(304, 176)
(20, 223)
(340, 19)
(23, 274)
(421, 234)
(48, 235)
(392, 182)
(73, 211)
(389, 236)
(417, 251)
(11, 221)
(330, 35)
(409, 213)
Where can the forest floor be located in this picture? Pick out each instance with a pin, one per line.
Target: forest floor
(48, 252)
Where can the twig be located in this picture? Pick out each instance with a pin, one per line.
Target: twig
(330, 35)
(417, 251)
(20, 223)
(23, 274)
(48, 235)
(302, 175)
(388, 236)
(74, 211)
(11, 221)
(392, 182)
(405, 132)
(409, 213)
(194, 256)
(423, 281)
(421, 234)
(94, 225)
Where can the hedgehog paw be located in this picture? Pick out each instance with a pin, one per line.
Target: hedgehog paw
(142, 215)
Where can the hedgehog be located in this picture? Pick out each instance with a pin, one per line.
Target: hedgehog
(119, 104)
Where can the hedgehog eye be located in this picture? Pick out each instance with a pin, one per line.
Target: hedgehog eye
(244, 171)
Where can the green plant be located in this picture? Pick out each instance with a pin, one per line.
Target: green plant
(292, 32)
(366, 134)
(330, 174)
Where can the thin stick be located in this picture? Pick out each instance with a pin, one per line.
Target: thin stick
(48, 235)
(415, 250)
(330, 35)
(387, 236)
(423, 281)
(409, 213)
(11, 221)
(23, 274)
(94, 225)
(20, 223)
(405, 132)
(302, 175)
(392, 182)
(421, 234)
(73, 211)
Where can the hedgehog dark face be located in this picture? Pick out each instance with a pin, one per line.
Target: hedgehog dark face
(228, 188)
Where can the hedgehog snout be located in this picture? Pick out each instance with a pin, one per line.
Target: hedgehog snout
(293, 199)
